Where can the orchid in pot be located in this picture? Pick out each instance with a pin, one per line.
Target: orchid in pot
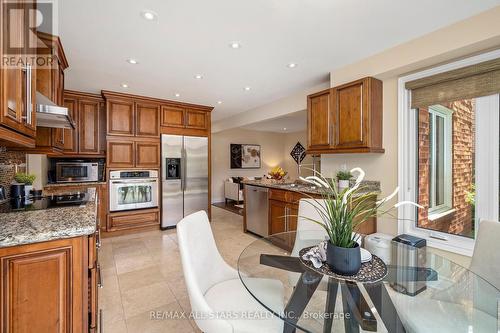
(342, 212)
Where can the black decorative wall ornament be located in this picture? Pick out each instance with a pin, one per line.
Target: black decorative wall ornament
(298, 153)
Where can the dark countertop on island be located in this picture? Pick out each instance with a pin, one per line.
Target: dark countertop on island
(369, 186)
(27, 227)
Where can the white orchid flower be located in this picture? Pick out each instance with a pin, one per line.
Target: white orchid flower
(359, 179)
(310, 181)
(401, 203)
(389, 197)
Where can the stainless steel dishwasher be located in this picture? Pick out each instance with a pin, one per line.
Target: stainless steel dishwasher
(257, 210)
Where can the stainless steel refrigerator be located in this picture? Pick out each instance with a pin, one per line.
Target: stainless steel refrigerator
(184, 172)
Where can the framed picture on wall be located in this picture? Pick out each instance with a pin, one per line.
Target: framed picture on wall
(245, 156)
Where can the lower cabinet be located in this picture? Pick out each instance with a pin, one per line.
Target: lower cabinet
(45, 286)
(282, 218)
(133, 219)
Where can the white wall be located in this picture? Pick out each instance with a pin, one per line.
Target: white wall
(275, 151)
(38, 165)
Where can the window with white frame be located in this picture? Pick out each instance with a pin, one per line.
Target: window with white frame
(449, 152)
(440, 160)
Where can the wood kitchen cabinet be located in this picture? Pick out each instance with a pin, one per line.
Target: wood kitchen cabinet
(346, 118)
(120, 117)
(181, 119)
(120, 153)
(147, 120)
(319, 120)
(133, 153)
(46, 286)
(133, 219)
(283, 211)
(88, 114)
(17, 81)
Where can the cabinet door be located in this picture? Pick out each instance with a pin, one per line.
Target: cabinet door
(58, 138)
(147, 154)
(71, 135)
(172, 116)
(147, 120)
(319, 120)
(278, 223)
(293, 212)
(350, 115)
(13, 108)
(120, 117)
(43, 287)
(120, 154)
(88, 119)
(196, 119)
(131, 220)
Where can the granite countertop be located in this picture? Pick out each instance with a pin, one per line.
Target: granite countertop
(27, 227)
(50, 185)
(369, 186)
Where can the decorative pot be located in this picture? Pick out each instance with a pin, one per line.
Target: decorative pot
(344, 261)
(27, 189)
(343, 184)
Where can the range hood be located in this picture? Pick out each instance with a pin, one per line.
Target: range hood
(48, 114)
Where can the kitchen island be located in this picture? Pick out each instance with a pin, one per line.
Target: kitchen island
(271, 208)
(49, 267)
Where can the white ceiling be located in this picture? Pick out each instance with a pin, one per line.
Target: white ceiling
(292, 122)
(193, 37)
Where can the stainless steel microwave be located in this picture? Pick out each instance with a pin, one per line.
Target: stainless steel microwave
(71, 172)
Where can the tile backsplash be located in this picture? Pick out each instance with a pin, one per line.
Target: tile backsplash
(8, 162)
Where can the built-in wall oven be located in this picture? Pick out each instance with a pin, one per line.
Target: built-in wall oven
(133, 189)
(68, 172)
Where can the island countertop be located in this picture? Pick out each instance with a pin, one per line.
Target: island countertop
(367, 186)
(27, 227)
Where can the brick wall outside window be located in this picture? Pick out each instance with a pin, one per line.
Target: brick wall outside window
(463, 152)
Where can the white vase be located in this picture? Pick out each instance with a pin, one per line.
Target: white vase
(343, 184)
(27, 189)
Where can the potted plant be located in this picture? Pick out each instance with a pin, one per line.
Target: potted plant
(341, 214)
(26, 179)
(343, 177)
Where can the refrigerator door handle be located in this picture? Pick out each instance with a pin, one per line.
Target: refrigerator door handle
(184, 168)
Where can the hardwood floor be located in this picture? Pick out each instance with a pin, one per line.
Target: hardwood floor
(143, 273)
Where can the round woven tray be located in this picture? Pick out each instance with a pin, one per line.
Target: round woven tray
(371, 271)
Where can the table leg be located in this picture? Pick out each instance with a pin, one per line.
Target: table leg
(386, 309)
(358, 308)
(305, 288)
(350, 323)
(331, 299)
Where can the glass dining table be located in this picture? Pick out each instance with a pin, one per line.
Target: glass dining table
(445, 297)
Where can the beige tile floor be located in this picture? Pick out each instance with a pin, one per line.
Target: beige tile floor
(142, 273)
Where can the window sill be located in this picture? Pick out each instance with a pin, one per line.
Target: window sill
(439, 215)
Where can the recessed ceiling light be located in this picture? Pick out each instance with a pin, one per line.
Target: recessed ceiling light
(247, 88)
(132, 61)
(291, 65)
(284, 128)
(235, 45)
(198, 76)
(219, 102)
(149, 15)
(177, 94)
(124, 85)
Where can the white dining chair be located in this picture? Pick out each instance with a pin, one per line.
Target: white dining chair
(486, 256)
(218, 298)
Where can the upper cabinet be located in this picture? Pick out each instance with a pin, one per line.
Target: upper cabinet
(17, 80)
(180, 119)
(120, 117)
(147, 119)
(87, 112)
(346, 118)
(319, 120)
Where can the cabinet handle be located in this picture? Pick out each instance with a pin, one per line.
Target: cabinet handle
(286, 218)
(98, 238)
(28, 100)
(99, 277)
